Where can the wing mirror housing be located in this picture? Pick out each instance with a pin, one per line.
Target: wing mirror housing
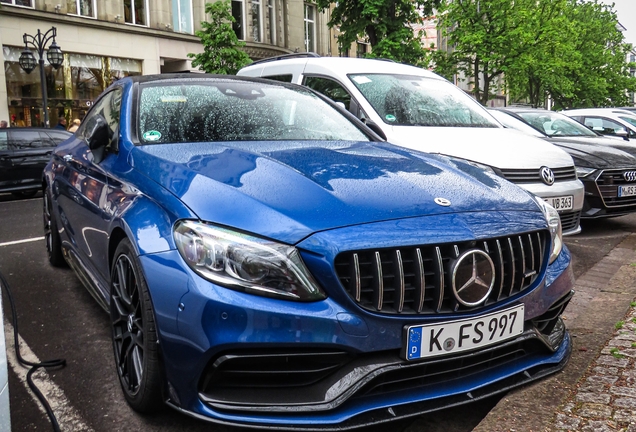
(623, 134)
(98, 138)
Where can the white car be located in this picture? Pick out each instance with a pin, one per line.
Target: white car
(607, 121)
(417, 109)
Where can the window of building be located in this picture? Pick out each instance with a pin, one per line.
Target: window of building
(182, 16)
(361, 49)
(25, 3)
(256, 20)
(84, 8)
(135, 12)
(310, 28)
(71, 89)
(271, 14)
(237, 13)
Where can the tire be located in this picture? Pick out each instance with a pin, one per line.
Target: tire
(51, 234)
(24, 194)
(135, 343)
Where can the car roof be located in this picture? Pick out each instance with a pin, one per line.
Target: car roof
(37, 129)
(346, 65)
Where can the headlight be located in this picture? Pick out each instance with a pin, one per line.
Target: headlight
(554, 224)
(584, 171)
(244, 262)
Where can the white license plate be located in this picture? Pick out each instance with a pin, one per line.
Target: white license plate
(560, 203)
(431, 340)
(627, 190)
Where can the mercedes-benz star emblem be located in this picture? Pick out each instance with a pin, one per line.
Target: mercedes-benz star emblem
(442, 201)
(629, 176)
(547, 175)
(473, 277)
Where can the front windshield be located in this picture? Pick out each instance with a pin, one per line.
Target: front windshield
(555, 124)
(408, 100)
(231, 110)
(514, 123)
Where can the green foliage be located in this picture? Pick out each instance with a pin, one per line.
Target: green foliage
(619, 325)
(570, 50)
(386, 24)
(221, 48)
(616, 353)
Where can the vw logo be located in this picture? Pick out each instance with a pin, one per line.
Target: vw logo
(442, 201)
(629, 176)
(473, 277)
(547, 176)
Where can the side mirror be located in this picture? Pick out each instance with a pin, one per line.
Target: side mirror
(623, 134)
(98, 137)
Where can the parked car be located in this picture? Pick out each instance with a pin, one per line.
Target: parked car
(607, 121)
(608, 173)
(420, 110)
(268, 261)
(23, 154)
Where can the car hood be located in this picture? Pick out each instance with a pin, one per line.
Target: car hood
(599, 142)
(288, 190)
(496, 147)
(587, 154)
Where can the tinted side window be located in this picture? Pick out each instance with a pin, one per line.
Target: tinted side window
(330, 88)
(283, 78)
(4, 141)
(57, 137)
(25, 139)
(603, 125)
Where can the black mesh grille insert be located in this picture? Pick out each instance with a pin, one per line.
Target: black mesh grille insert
(417, 279)
(570, 220)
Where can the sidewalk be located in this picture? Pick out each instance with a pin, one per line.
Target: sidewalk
(596, 391)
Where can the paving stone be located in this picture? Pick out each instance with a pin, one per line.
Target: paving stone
(625, 416)
(600, 370)
(629, 403)
(591, 410)
(623, 391)
(565, 422)
(602, 379)
(599, 426)
(602, 398)
(612, 361)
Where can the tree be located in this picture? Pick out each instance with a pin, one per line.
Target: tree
(222, 52)
(386, 24)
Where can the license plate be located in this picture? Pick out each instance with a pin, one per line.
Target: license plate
(432, 340)
(627, 190)
(560, 203)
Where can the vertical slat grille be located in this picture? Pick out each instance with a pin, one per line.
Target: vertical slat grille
(417, 280)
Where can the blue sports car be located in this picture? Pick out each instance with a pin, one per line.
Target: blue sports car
(268, 261)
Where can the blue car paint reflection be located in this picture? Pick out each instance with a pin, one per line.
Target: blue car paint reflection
(233, 356)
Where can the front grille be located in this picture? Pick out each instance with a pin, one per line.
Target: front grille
(534, 176)
(416, 279)
(570, 220)
(608, 183)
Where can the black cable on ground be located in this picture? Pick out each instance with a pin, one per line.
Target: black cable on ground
(34, 366)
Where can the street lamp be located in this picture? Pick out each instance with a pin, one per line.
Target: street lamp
(54, 56)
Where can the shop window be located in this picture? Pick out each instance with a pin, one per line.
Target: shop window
(256, 20)
(237, 13)
(310, 28)
(271, 14)
(25, 3)
(182, 16)
(85, 8)
(135, 12)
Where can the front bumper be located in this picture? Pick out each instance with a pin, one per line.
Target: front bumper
(602, 195)
(201, 326)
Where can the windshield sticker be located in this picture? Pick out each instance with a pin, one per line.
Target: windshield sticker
(361, 79)
(175, 98)
(152, 135)
(390, 117)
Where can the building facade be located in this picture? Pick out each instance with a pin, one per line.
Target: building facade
(104, 40)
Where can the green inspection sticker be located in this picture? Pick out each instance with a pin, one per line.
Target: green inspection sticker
(152, 135)
(390, 117)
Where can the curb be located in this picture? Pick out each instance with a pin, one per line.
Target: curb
(602, 298)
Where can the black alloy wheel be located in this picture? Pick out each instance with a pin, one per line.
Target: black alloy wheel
(51, 234)
(134, 332)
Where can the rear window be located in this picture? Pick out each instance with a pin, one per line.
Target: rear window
(237, 111)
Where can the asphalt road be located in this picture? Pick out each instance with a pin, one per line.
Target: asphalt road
(59, 319)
